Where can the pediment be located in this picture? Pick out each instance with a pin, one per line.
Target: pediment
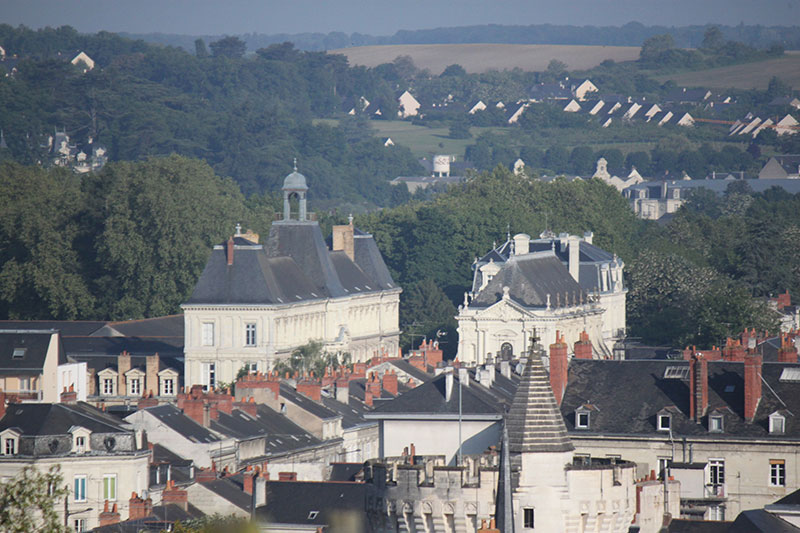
(505, 309)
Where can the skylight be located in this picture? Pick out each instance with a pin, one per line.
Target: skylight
(676, 372)
(790, 374)
(19, 353)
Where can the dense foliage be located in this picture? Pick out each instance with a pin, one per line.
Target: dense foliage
(30, 501)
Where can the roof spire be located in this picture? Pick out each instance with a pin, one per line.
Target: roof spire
(295, 164)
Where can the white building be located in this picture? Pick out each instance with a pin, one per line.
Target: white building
(255, 303)
(409, 106)
(532, 288)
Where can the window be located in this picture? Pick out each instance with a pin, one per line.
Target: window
(134, 387)
(108, 386)
(715, 423)
(19, 353)
(777, 423)
(664, 422)
(250, 335)
(716, 470)
(527, 518)
(110, 487)
(10, 446)
(80, 524)
(663, 464)
(25, 384)
(582, 419)
(777, 473)
(80, 444)
(79, 492)
(209, 376)
(208, 334)
(716, 512)
(169, 386)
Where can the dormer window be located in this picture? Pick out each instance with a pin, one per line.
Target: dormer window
(777, 423)
(582, 418)
(9, 442)
(664, 421)
(716, 423)
(108, 382)
(80, 440)
(80, 444)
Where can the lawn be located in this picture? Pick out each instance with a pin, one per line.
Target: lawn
(424, 141)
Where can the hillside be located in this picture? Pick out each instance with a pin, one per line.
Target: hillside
(476, 58)
(755, 75)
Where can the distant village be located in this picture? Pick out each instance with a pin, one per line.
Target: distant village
(544, 421)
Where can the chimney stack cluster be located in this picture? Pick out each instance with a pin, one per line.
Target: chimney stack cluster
(204, 406)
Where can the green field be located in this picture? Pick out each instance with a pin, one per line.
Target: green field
(476, 58)
(424, 141)
(745, 76)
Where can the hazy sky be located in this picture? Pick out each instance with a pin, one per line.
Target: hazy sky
(379, 17)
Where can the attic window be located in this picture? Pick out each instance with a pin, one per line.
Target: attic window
(676, 372)
(777, 424)
(664, 422)
(313, 515)
(582, 419)
(730, 388)
(716, 423)
(19, 353)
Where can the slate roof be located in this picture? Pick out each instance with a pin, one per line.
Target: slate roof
(231, 488)
(530, 278)
(345, 471)
(164, 327)
(351, 417)
(534, 422)
(173, 418)
(292, 502)
(760, 521)
(294, 264)
(67, 328)
(697, 526)
(31, 344)
(626, 396)
(161, 519)
(41, 419)
(430, 399)
(306, 403)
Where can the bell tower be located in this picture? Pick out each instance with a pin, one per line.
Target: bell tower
(295, 183)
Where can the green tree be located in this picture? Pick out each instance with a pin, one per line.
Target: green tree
(425, 311)
(29, 501)
(215, 524)
(654, 47)
(581, 160)
(713, 39)
(200, 49)
(230, 47)
(455, 70)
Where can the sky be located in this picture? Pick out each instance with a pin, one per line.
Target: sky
(379, 17)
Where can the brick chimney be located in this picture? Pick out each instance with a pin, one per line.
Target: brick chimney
(343, 390)
(230, 251)
(287, 476)
(123, 365)
(203, 475)
(310, 389)
(698, 382)
(68, 395)
(374, 385)
(147, 401)
(431, 352)
(343, 240)
(248, 480)
(787, 353)
(583, 347)
(151, 374)
(265, 388)
(734, 350)
(558, 367)
(418, 362)
(752, 385)
(109, 516)
(359, 370)
(139, 508)
(390, 383)
(783, 300)
(174, 495)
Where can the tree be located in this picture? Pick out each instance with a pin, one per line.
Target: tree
(200, 49)
(778, 87)
(425, 311)
(29, 501)
(713, 39)
(215, 524)
(454, 70)
(556, 69)
(640, 161)
(230, 47)
(655, 46)
(581, 160)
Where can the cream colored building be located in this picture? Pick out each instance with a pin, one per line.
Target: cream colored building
(257, 302)
(532, 288)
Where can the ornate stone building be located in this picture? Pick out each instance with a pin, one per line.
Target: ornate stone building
(529, 288)
(256, 302)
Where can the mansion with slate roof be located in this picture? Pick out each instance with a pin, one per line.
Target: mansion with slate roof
(528, 288)
(257, 302)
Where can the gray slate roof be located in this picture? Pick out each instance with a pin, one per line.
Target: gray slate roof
(173, 418)
(32, 344)
(534, 422)
(293, 502)
(530, 278)
(42, 419)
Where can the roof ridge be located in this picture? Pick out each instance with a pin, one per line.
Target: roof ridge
(534, 421)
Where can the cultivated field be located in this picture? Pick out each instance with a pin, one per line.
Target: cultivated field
(424, 141)
(483, 57)
(744, 76)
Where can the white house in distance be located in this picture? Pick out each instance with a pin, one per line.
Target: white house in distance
(526, 289)
(83, 59)
(256, 302)
(583, 90)
(409, 106)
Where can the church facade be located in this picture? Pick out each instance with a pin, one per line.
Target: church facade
(528, 289)
(257, 302)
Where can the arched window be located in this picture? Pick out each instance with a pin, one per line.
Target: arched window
(506, 351)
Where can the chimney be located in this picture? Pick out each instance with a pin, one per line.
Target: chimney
(752, 385)
(390, 383)
(368, 397)
(343, 390)
(147, 401)
(249, 406)
(248, 480)
(698, 381)
(787, 353)
(343, 240)
(588, 237)
(260, 491)
(374, 385)
(448, 384)
(583, 347)
(173, 495)
(139, 508)
(151, 374)
(70, 396)
(574, 256)
(558, 367)
(230, 251)
(109, 516)
(522, 244)
(206, 414)
(204, 475)
(463, 377)
(505, 369)
(310, 389)
(123, 365)
(733, 350)
(287, 476)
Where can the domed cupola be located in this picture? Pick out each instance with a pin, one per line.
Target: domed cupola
(294, 184)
